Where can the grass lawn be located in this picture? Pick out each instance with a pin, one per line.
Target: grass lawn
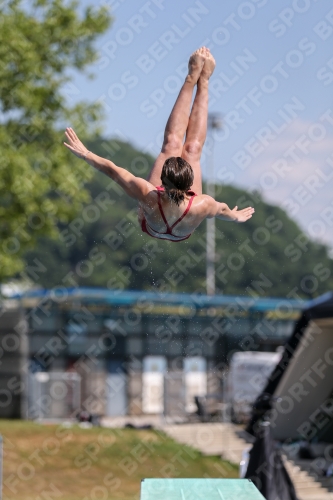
(51, 462)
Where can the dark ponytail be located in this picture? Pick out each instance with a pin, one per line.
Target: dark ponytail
(177, 178)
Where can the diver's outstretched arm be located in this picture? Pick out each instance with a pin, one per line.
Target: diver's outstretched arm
(135, 187)
(222, 211)
(234, 215)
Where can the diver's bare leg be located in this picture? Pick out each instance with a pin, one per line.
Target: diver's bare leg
(197, 126)
(179, 118)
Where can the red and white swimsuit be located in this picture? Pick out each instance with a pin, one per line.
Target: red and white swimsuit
(146, 228)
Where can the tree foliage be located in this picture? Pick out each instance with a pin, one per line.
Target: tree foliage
(39, 184)
(104, 246)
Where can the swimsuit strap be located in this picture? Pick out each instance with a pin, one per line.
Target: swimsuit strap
(185, 212)
(170, 228)
(162, 213)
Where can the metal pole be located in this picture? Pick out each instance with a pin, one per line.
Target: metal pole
(214, 123)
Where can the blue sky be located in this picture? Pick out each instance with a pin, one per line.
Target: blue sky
(272, 86)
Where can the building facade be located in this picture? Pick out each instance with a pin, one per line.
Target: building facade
(137, 352)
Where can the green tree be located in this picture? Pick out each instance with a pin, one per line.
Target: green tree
(39, 185)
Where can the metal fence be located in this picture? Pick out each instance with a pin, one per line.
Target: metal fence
(174, 396)
(185, 398)
(54, 395)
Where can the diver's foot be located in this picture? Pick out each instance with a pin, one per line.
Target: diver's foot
(208, 67)
(195, 65)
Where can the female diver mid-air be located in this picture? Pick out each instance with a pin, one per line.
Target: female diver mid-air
(171, 203)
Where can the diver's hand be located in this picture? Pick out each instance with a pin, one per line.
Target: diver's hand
(75, 145)
(242, 215)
